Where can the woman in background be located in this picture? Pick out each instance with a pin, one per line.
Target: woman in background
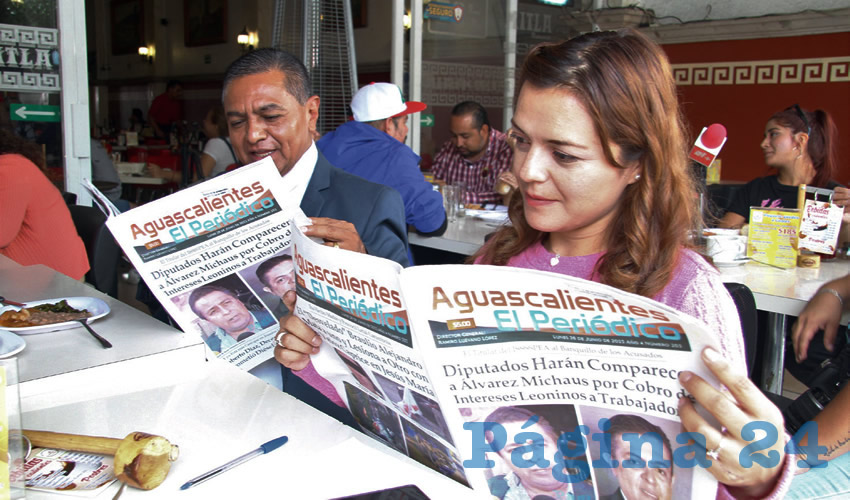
(217, 157)
(137, 121)
(35, 224)
(801, 146)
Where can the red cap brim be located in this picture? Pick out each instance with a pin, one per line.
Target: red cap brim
(412, 107)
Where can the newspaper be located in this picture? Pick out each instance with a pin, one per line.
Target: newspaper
(424, 356)
(217, 234)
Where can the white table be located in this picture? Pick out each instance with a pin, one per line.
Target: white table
(782, 293)
(217, 412)
(463, 236)
(133, 334)
(158, 380)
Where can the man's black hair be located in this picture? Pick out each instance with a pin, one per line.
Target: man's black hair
(479, 114)
(297, 81)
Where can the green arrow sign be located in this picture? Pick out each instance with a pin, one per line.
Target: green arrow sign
(426, 120)
(34, 113)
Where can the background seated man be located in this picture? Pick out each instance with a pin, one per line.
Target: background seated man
(477, 155)
(372, 146)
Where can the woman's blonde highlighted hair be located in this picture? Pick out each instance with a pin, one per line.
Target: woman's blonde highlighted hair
(625, 83)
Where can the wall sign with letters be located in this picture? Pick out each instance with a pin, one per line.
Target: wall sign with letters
(29, 58)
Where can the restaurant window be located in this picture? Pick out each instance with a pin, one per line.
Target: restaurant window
(43, 83)
(463, 52)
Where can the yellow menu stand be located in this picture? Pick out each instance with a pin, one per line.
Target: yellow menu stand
(772, 237)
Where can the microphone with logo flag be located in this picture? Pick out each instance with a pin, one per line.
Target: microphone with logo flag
(705, 150)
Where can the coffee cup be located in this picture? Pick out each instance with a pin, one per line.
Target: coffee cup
(726, 248)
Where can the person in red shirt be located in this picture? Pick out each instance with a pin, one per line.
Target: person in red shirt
(166, 109)
(35, 223)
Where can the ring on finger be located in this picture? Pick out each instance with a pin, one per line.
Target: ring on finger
(279, 338)
(714, 453)
(336, 244)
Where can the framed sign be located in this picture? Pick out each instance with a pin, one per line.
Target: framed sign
(204, 22)
(128, 26)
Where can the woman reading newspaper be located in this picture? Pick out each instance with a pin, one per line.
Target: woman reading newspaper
(605, 194)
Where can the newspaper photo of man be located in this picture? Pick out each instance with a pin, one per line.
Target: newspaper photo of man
(519, 481)
(650, 482)
(654, 480)
(223, 308)
(276, 275)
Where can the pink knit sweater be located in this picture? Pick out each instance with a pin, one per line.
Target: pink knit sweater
(695, 289)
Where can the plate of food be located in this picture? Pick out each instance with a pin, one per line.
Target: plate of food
(10, 344)
(49, 315)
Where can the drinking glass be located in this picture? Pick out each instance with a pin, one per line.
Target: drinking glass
(461, 202)
(11, 437)
(451, 199)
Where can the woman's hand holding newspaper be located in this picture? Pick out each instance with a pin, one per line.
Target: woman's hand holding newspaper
(296, 341)
(739, 404)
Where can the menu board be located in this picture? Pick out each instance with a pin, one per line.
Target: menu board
(772, 237)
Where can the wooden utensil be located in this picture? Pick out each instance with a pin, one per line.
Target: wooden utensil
(141, 460)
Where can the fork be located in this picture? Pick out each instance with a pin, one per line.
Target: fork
(105, 343)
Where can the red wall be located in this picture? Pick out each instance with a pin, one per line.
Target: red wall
(744, 108)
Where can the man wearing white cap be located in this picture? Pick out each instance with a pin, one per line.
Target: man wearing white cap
(372, 146)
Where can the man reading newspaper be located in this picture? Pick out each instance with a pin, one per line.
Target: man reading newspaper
(271, 112)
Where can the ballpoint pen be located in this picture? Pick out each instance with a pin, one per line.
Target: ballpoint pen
(262, 450)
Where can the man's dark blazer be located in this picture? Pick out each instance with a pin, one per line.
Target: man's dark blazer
(377, 213)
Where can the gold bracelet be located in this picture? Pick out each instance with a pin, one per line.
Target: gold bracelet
(836, 294)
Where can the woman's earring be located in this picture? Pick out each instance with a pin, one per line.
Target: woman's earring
(637, 176)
